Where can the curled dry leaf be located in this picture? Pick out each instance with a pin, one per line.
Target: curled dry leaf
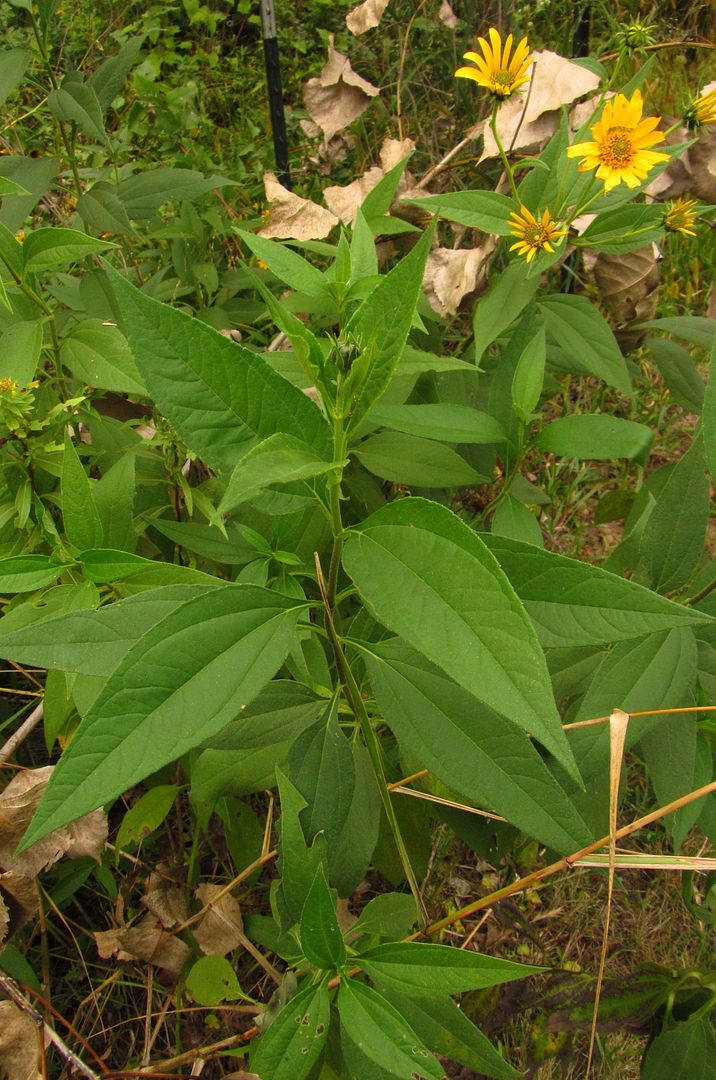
(365, 16)
(165, 900)
(291, 217)
(83, 838)
(447, 16)
(19, 1044)
(18, 901)
(221, 929)
(451, 275)
(555, 82)
(147, 942)
(693, 173)
(628, 285)
(345, 201)
(338, 96)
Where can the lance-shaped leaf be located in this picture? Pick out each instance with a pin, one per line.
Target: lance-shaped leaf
(378, 1033)
(279, 459)
(483, 757)
(709, 415)
(25, 573)
(381, 326)
(79, 513)
(596, 437)
(217, 394)
(576, 603)
(52, 248)
(464, 615)
(425, 970)
(295, 1040)
(583, 332)
(321, 938)
(485, 210)
(183, 681)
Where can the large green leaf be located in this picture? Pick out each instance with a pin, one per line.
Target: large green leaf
(709, 415)
(483, 757)
(13, 64)
(20, 348)
(76, 102)
(79, 513)
(435, 970)
(501, 304)
(108, 79)
(408, 459)
(34, 174)
(217, 394)
(99, 354)
(485, 210)
(297, 861)
(381, 326)
(463, 615)
(577, 603)
(677, 761)
(25, 573)
(51, 248)
(294, 1042)
(581, 330)
(321, 937)
(595, 437)
(382, 1036)
(448, 423)
(179, 684)
(687, 1049)
(279, 459)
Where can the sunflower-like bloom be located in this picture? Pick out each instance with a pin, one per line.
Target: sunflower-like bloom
(680, 217)
(621, 140)
(702, 110)
(494, 69)
(533, 234)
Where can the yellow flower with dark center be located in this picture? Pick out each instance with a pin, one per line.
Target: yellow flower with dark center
(620, 151)
(702, 110)
(496, 70)
(533, 234)
(680, 217)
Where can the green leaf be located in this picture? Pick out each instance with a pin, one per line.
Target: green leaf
(207, 541)
(181, 682)
(108, 79)
(349, 856)
(583, 332)
(87, 642)
(217, 394)
(286, 264)
(483, 757)
(99, 354)
(35, 174)
(624, 229)
(469, 622)
(513, 520)
(146, 815)
(578, 603)
(113, 497)
(379, 200)
(485, 210)
(297, 862)
(294, 1042)
(102, 565)
(9, 187)
(414, 968)
(679, 372)
(25, 573)
(101, 210)
(501, 305)
(364, 258)
(321, 769)
(380, 1034)
(696, 329)
(596, 437)
(445, 1028)
(79, 513)
(53, 248)
(685, 1049)
(144, 193)
(13, 65)
(20, 348)
(407, 459)
(677, 762)
(212, 980)
(389, 915)
(673, 539)
(279, 459)
(321, 938)
(381, 325)
(528, 378)
(448, 423)
(76, 102)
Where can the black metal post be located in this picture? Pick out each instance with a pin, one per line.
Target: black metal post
(275, 92)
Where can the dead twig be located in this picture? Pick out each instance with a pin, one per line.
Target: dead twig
(26, 727)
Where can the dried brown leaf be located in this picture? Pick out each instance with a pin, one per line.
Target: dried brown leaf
(394, 150)
(4, 921)
(148, 942)
(291, 217)
(19, 1044)
(447, 15)
(451, 275)
(344, 201)
(18, 802)
(338, 96)
(18, 896)
(221, 929)
(365, 16)
(165, 900)
(555, 82)
(628, 285)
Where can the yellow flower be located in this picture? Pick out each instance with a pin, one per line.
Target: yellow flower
(702, 110)
(533, 234)
(20, 236)
(680, 217)
(494, 69)
(621, 138)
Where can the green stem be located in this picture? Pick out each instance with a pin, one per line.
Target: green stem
(503, 155)
(340, 440)
(67, 141)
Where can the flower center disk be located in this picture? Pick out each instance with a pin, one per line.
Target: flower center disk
(617, 149)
